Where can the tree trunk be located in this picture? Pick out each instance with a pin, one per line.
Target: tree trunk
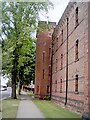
(14, 73)
(14, 76)
(19, 92)
(21, 72)
(19, 88)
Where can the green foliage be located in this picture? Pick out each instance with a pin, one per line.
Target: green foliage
(48, 98)
(43, 25)
(19, 21)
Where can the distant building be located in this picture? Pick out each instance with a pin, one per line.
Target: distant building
(43, 60)
(70, 44)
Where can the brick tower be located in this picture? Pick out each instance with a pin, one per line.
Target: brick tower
(43, 60)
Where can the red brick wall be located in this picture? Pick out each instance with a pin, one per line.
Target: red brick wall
(44, 40)
(86, 111)
(75, 101)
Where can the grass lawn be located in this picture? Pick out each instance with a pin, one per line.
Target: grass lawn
(51, 110)
(30, 93)
(0, 111)
(9, 108)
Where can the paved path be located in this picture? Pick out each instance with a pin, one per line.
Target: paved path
(27, 109)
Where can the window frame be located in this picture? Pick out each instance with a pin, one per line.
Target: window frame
(76, 17)
(56, 65)
(76, 84)
(43, 56)
(37, 88)
(76, 50)
(43, 74)
(56, 86)
(61, 61)
(48, 89)
(62, 37)
(60, 85)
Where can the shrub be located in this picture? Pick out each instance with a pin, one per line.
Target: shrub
(47, 98)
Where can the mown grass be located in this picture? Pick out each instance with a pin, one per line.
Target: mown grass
(51, 110)
(30, 93)
(9, 108)
(0, 110)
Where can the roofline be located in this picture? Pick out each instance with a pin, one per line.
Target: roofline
(66, 11)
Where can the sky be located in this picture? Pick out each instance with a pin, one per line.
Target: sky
(55, 14)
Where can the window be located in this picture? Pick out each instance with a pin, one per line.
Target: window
(53, 49)
(62, 37)
(50, 52)
(57, 43)
(37, 89)
(76, 51)
(47, 88)
(60, 85)
(76, 19)
(49, 70)
(43, 56)
(43, 73)
(61, 61)
(56, 65)
(76, 84)
(56, 86)
(50, 34)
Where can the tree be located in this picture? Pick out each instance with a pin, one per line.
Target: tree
(27, 63)
(19, 20)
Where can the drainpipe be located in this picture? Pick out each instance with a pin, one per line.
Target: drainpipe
(66, 65)
(51, 71)
(51, 66)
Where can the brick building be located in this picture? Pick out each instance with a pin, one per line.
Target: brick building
(71, 59)
(43, 59)
(70, 63)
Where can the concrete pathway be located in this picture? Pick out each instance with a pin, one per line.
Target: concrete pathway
(27, 109)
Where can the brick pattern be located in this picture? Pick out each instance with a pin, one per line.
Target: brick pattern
(76, 101)
(43, 62)
(86, 112)
(80, 101)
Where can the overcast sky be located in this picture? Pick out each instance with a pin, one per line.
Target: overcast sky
(56, 13)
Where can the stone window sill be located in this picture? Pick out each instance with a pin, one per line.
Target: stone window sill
(77, 60)
(76, 92)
